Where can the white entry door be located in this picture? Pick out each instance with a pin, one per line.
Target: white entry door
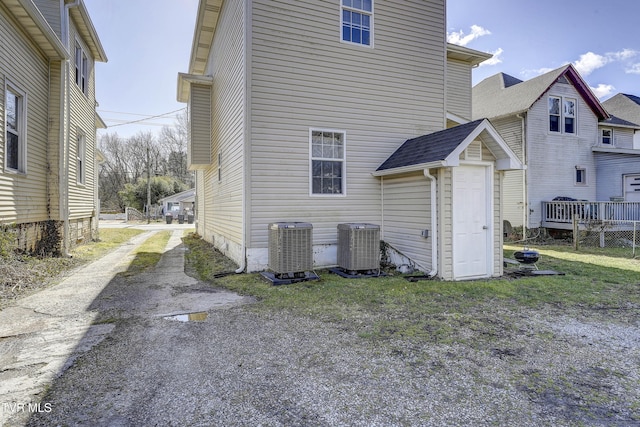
(632, 188)
(472, 222)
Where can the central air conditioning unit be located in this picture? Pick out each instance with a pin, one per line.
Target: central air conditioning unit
(290, 248)
(358, 246)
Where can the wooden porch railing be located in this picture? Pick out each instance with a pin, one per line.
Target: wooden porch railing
(560, 212)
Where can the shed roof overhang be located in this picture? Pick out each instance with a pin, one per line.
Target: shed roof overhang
(185, 81)
(421, 153)
(36, 26)
(471, 56)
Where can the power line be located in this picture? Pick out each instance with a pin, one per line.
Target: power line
(146, 118)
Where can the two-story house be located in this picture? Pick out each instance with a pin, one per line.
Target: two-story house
(563, 134)
(48, 170)
(333, 112)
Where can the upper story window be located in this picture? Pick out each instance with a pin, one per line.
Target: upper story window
(15, 130)
(327, 162)
(562, 115)
(606, 136)
(82, 69)
(357, 20)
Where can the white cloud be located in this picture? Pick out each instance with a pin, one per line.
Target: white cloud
(633, 69)
(603, 90)
(462, 39)
(527, 74)
(590, 61)
(495, 59)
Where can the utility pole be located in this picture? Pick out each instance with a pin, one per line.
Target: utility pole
(148, 187)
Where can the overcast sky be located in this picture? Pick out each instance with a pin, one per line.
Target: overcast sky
(149, 41)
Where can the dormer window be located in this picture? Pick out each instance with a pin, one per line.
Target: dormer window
(357, 21)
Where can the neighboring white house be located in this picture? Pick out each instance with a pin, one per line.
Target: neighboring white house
(336, 112)
(179, 203)
(48, 167)
(563, 135)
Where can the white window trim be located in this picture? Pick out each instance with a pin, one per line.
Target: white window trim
(371, 28)
(561, 124)
(343, 160)
(610, 137)
(81, 159)
(82, 69)
(585, 178)
(22, 129)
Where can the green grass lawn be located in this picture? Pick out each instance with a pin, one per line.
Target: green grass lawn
(433, 309)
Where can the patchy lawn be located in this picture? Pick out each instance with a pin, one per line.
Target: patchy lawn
(24, 274)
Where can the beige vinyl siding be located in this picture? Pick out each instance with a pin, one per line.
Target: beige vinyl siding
(407, 212)
(304, 77)
(552, 157)
(82, 121)
(459, 88)
(53, 180)
(51, 10)
(199, 146)
(223, 205)
(510, 129)
(498, 234)
(200, 203)
(23, 197)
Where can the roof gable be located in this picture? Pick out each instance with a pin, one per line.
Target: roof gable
(443, 148)
(499, 96)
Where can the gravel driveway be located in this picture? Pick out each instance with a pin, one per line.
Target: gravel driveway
(248, 366)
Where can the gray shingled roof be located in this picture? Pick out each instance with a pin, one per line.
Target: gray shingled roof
(624, 106)
(617, 121)
(434, 147)
(501, 95)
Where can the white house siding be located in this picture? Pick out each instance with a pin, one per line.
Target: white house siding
(445, 223)
(82, 120)
(23, 197)
(623, 138)
(304, 77)
(551, 157)
(222, 199)
(610, 169)
(510, 128)
(407, 212)
(459, 88)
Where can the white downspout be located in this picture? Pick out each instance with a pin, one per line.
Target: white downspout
(434, 224)
(65, 134)
(525, 204)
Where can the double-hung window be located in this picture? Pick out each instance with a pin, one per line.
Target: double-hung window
(82, 69)
(15, 130)
(562, 115)
(327, 162)
(606, 136)
(357, 21)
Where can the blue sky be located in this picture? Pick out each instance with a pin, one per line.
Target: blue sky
(149, 41)
(528, 38)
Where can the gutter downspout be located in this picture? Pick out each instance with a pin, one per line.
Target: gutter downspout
(247, 134)
(525, 204)
(434, 224)
(65, 134)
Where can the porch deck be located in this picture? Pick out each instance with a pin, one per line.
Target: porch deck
(559, 214)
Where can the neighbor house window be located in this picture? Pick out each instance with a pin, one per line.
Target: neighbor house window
(81, 151)
(357, 20)
(606, 136)
(327, 162)
(82, 68)
(562, 115)
(15, 130)
(581, 176)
